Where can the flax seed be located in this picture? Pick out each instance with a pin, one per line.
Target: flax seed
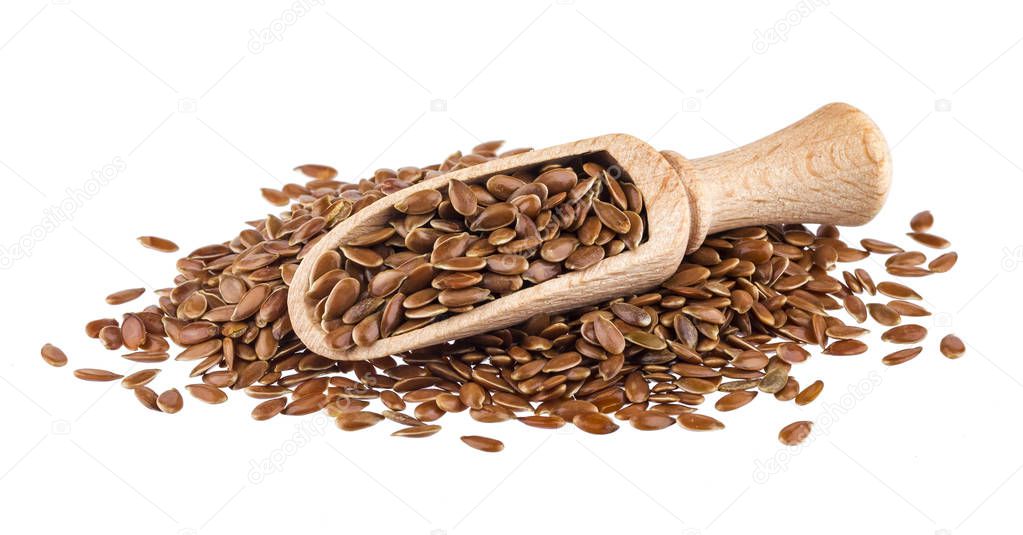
(417, 431)
(94, 374)
(846, 347)
(147, 397)
(355, 421)
(795, 433)
(594, 423)
(880, 247)
(139, 378)
(904, 334)
(543, 422)
(952, 347)
(734, 400)
(269, 408)
(901, 356)
(943, 263)
(699, 422)
(651, 421)
(489, 445)
(275, 197)
(93, 328)
(789, 391)
(922, 221)
(170, 401)
(792, 353)
(53, 355)
(207, 393)
(897, 291)
(905, 308)
(810, 393)
(158, 244)
(930, 240)
(884, 314)
(123, 296)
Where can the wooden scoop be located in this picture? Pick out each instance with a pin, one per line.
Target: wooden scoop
(831, 167)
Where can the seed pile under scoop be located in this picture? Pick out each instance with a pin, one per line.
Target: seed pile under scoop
(731, 325)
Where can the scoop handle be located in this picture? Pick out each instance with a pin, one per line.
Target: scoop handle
(832, 166)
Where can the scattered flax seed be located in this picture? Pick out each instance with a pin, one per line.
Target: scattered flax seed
(905, 308)
(158, 244)
(866, 281)
(417, 431)
(275, 197)
(490, 445)
(792, 353)
(930, 240)
(795, 433)
(354, 421)
(651, 421)
(907, 271)
(901, 356)
(855, 307)
(207, 393)
(909, 258)
(810, 393)
(319, 172)
(170, 401)
(699, 422)
(884, 314)
(124, 296)
(846, 347)
(110, 336)
(845, 332)
(93, 328)
(269, 408)
(543, 422)
(146, 356)
(53, 355)
(594, 423)
(789, 391)
(922, 222)
(880, 247)
(943, 263)
(952, 347)
(139, 378)
(147, 397)
(401, 418)
(904, 334)
(734, 400)
(94, 374)
(897, 291)
(305, 405)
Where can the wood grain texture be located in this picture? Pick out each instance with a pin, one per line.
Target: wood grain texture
(831, 167)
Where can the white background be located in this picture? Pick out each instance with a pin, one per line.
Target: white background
(188, 116)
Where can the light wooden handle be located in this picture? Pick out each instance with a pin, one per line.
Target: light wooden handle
(832, 166)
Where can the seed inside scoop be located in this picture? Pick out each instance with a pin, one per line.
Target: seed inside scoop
(472, 243)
